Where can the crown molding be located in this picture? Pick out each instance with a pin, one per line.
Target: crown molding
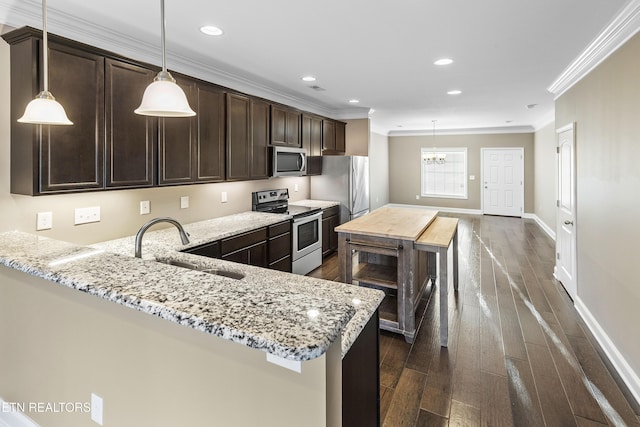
(467, 131)
(624, 26)
(26, 12)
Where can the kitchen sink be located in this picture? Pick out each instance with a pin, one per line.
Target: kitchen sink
(217, 271)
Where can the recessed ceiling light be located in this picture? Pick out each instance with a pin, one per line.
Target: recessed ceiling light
(354, 101)
(444, 61)
(454, 92)
(309, 79)
(211, 30)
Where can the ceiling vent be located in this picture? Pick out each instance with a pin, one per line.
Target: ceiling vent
(317, 88)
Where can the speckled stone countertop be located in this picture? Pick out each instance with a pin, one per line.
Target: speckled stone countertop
(290, 316)
(322, 204)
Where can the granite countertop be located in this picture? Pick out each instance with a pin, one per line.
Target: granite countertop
(322, 204)
(290, 316)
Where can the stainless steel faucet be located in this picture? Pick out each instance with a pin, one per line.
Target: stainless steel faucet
(144, 228)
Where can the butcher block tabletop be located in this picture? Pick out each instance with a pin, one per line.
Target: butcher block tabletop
(391, 222)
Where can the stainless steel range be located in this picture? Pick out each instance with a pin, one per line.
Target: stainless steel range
(306, 245)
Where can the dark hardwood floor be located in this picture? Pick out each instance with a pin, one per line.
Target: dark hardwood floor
(519, 354)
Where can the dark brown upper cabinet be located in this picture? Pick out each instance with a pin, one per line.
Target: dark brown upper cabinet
(285, 126)
(312, 142)
(130, 138)
(247, 137)
(177, 142)
(210, 153)
(259, 139)
(51, 159)
(333, 137)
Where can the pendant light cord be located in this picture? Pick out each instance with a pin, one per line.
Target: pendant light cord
(162, 30)
(45, 53)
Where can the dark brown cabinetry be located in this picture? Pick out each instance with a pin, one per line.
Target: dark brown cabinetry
(177, 142)
(210, 133)
(333, 137)
(211, 250)
(280, 246)
(285, 126)
(259, 163)
(312, 142)
(330, 220)
(50, 159)
(246, 248)
(130, 138)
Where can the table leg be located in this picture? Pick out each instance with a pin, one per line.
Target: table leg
(455, 259)
(345, 262)
(444, 298)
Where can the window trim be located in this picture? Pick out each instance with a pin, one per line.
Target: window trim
(446, 150)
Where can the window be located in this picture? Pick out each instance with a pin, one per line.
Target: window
(447, 178)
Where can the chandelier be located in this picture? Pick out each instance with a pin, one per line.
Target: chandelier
(434, 158)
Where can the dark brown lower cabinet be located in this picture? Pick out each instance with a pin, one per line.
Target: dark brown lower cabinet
(280, 246)
(330, 220)
(252, 255)
(361, 378)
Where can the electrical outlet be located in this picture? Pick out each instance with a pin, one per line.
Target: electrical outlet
(96, 408)
(472, 177)
(145, 207)
(86, 215)
(223, 197)
(44, 220)
(295, 187)
(417, 197)
(184, 202)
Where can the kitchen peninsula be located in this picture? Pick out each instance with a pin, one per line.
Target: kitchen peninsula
(396, 251)
(94, 334)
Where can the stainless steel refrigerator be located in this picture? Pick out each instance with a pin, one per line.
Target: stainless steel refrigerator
(344, 179)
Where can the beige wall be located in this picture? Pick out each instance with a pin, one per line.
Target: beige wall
(357, 137)
(606, 110)
(378, 171)
(61, 345)
(545, 174)
(119, 209)
(404, 167)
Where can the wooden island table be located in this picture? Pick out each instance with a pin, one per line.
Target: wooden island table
(395, 250)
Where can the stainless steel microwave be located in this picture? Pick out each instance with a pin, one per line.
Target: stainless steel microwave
(286, 161)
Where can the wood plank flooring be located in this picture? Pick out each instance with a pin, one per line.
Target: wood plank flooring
(519, 354)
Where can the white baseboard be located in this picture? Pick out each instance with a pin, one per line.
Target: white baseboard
(628, 375)
(541, 224)
(14, 418)
(437, 208)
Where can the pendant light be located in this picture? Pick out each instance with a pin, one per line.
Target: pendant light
(163, 97)
(44, 109)
(434, 157)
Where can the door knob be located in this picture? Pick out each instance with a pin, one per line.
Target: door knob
(486, 186)
(567, 222)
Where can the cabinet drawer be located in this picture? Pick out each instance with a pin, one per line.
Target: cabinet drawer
(244, 240)
(279, 247)
(280, 228)
(333, 210)
(282, 265)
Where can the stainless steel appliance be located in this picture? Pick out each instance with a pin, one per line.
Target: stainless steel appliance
(344, 179)
(306, 242)
(286, 161)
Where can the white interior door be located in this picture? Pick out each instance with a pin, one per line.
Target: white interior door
(503, 181)
(565, 270)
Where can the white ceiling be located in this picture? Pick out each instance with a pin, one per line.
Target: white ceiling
(381, 52)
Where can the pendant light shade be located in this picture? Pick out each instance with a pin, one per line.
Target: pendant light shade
(163, 97)
(44, 109)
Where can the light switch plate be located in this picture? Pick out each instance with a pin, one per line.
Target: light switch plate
(295, 187)
(145, 207)
(223, 197)
(86, 215)
(44, 220)
(472, 177)
(184, 202)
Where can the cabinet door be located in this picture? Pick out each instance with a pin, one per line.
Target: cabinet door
(340, 137)
(278, 125)
(334, 221)
(258, 255)
(238, 134)
(259, 139)
(72, 156)
(210, 134)
(316, 137)
(177, 142)
(328, 135)
(130, 137)
(292, 137)
(326, 239)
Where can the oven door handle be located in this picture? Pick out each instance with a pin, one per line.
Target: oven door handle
(307, 218)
